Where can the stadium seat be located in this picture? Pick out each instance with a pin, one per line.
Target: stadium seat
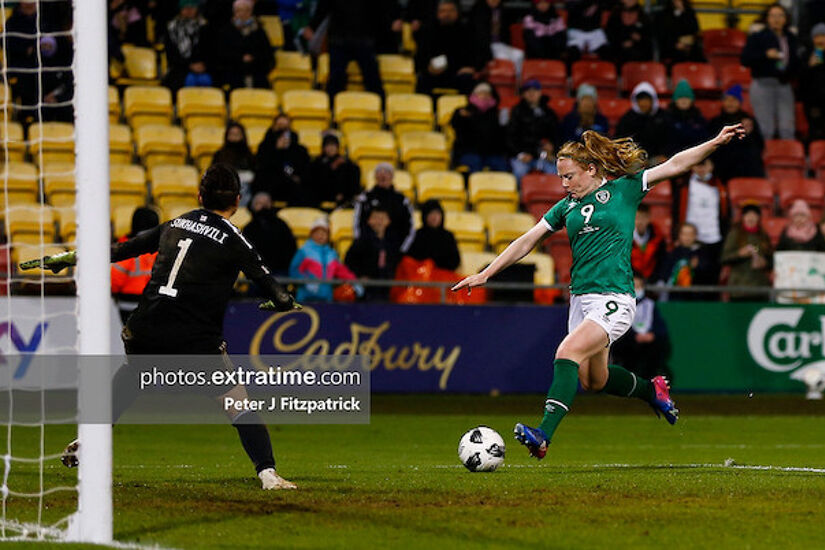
(176, 207)
(601, 74)
(121, 220)
(358, 111)
(409, 112)
(147, 105)
(255, 133)
(24, 252)
(368, 148)
(468, 230)
(517, 37)
(312, 139)
(784, 158)
(709, 20)
(817, 157)
(539, 192)
(127, 185)
(801, 120)
(700, 76)
(241, 218)
(141, 67)
(158, 144)
(474, 262)
(51, 142)
(559, 248)
(505, 228)
(424, 151)
(746, 20)
(66, 218)
(809, 190)
(198, 106)
(299, 220)
(355, 80)
(550, 72)
(21, 187)
(634, 72)
(293, 71)
(203, 142)
(774, 228)
(446, 106)
(562, 105)
(32, 224)
(11, 136)
(173, 184)
(447, 187)
(307, 109)
(660, 200)
(341, 230)
(544, 266)
(493, 192)
(114, 105)
(723, 44)
(751, 190)
(59, 183)
(402, 181)
(121, 147)
(734, 74)
(273, 28)
(397, 74)
(614, 108)
(501, 74)
(709, 107)
(253, 105)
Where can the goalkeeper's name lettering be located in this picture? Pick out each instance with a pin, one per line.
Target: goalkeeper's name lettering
(200, 228)
(293, 404)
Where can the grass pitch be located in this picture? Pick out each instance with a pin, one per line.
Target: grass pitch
(615, 477)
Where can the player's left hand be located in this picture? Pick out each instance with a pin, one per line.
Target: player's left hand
(729, 132)
(270, 305)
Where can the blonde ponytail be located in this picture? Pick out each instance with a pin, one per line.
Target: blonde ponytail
(612, 157)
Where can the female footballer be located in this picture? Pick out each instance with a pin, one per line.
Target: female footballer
(605, 184)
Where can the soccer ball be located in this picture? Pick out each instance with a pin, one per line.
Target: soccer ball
(481, 449)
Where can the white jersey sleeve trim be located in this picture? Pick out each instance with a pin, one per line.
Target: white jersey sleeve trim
(645, 186)
(547, 224)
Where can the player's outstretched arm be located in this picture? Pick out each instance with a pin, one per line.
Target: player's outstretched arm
(56, 263)
(513, 253)
(144, 242)
(685, 160)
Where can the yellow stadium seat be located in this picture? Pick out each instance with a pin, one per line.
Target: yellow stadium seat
(127, 185)
(409, 112)
(505, 228)
(147, 105)
(402, 182)
(307, 108)
(203, 142)
(358, 111)
(408, 44)
(21, 185)
(158, 144)
(114, 105)
(51, 142)
(59, 183)
(492, 192)
(473, 262)
(241, 218)
(397, 74)
(141, 67)
(273, 28)
(121, 220)
(709, 21)
(299, 220)
(13, 140)
(24, 252)
(341, 230)
(174, 184)
(468, 230)
(372, 145)
(255, 135)
(199, 106)
(293, 71)
(31, 224)
(447, 187)
(66, 217)
(311, 139)
(174, 207)
(248, 105)
(355, 80)
(446, 106)
(121, 148)
(424, 151)
(545, 269)
(5, 98)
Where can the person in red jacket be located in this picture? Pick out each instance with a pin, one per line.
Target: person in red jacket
(129, 277)
(649, 245)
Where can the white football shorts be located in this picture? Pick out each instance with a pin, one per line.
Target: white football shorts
(613, 312)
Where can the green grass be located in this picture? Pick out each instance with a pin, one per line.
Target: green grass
(397, 483)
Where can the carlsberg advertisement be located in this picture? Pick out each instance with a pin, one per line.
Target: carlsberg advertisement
(745, 347)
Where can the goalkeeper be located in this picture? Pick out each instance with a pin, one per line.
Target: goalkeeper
(182, 307)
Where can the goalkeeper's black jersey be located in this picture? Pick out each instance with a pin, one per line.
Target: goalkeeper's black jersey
(199, 256)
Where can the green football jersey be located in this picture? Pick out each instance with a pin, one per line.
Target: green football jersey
(600, 228)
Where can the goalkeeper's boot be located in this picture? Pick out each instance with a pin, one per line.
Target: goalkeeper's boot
(69, 456)
(270, 480)
(662, 403)
(534, 439)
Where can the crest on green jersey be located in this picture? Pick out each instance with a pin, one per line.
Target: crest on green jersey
(603, 195)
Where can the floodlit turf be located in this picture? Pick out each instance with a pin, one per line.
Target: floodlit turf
(615, 477)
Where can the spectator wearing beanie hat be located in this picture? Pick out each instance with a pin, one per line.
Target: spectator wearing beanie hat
(333, 178)
(316, 259)
(584, 116)
(434, 242)
(742, 158)
(747, 250)
(532, 133)
(812, 84)
(686, 125)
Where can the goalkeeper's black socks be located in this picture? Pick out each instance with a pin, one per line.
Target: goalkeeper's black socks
(255, 440)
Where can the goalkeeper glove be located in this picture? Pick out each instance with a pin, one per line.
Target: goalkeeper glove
(56, 263)
(283, 301)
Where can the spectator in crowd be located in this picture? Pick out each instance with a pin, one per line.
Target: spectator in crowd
(544, 31)
(479, 137)
(130, 277)
(236, 153)
(645, 122)
(292, 14)
(447, 56)
(244, 55)
(747, 251)
(686, 125)
(127, 24)
(742, 158)
(279, 123)
(649, 245)
(584, 116)
(375, 252)
(630, 33)
(354, 26)
(185, 49)
(532, 133)
(703, 203)
(772, 55)
(316, 259)
(56, 79)
(333, 178)
(689, 263)
(645, 348)
(584, 29)
(270, 235)
(280, 168)
(812, 84)
(802, 233)
(678, 33)
(384, 195)
(434, 242)
(420, 14)
(491, 31)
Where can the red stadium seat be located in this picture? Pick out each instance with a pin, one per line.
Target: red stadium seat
(502, 75)
(551, 73)
(774, 228)
(709, 107)
(539, 192)
(562, 105)
(517, 36)
(734, 74)
(817, 154)
(558, 246)
(723, 46)
(700, 76)
(660, 200)
(508, 102)
(613, 109)
(784, 158)
(601, 74)
(801, 120)
(811, 191)
(640, 71)
(751, 190)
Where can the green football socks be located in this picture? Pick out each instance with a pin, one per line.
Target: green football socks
(560, 395)
(623, 383)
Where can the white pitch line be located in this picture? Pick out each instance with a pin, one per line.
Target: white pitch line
(753, 467)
